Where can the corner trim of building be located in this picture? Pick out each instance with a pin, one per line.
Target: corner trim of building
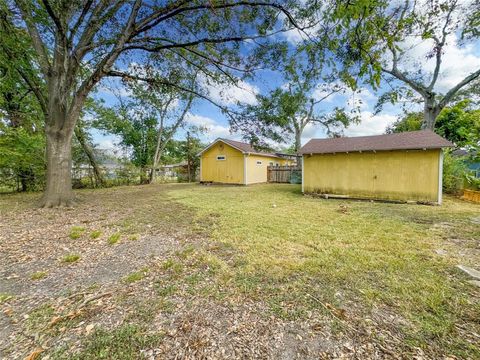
(245, 177)
(200, 169)
(440, 177)
(303, 180)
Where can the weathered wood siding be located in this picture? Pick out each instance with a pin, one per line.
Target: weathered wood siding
(389, 175)
(282, 174)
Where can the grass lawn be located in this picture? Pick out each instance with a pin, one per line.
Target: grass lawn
(299, 253)
(359, 278)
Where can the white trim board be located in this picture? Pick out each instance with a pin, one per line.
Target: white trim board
(245, 177)
(440, 177)
(303, 181)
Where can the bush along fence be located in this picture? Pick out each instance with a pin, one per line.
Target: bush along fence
(284, 174)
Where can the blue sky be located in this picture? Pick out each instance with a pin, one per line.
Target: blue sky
(458, 62)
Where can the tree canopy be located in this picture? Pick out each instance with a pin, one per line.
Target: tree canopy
(73, 45)
(373, 40)
(459, 123)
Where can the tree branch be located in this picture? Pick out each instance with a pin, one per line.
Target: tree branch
(55, 19)
(157, 18)
(80, 19)
(173, 45)
(105, 64)
(163, 82)
(36, 90)
(401, 76)
(451, 93)
(439, 47)
(94, 23)
(37, 42)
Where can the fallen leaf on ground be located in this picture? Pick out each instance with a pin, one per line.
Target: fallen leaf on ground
(35, 354)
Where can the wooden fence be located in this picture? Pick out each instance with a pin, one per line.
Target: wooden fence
(471, 195)
(284, 174)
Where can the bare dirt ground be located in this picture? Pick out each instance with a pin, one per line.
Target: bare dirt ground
(144, 286)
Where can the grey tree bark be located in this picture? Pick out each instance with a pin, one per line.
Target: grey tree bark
(58, 191)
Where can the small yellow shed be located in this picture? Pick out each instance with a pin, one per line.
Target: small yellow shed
(227, 161)
(403, 167)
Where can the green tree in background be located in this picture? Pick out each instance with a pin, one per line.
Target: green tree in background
(283, 114)
(459, 124)
(72, 45)
(372, 39)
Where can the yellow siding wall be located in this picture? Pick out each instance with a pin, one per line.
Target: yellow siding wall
(229, 171)
(389, 175)
(257, 173)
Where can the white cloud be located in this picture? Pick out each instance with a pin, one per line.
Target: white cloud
(107, 143)
(360, 98)
(320, 92)
(213, 128)
(457, 61)
(370, 124)
(294, 36)
(230, 94)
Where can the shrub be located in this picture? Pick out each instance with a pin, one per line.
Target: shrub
(472, 182)
(454, 171)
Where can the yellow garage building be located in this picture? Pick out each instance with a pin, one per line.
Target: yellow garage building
(403, 167)
(227, 161)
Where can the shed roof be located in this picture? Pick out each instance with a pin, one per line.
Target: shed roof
(243, 147)
(422, 139)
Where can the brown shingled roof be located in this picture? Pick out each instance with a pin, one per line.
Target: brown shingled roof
(423, 139)
(247, 148)
(244, 148)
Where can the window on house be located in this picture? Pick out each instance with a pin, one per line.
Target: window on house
(270, 163)
(221, 157)
(259, 163)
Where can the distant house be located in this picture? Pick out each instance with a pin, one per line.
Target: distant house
(171, 170)
(233, 162)
(404, 166)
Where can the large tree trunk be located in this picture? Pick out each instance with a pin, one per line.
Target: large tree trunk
(58, 191)
(430, 113)
(158, 153)
(298, 145)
